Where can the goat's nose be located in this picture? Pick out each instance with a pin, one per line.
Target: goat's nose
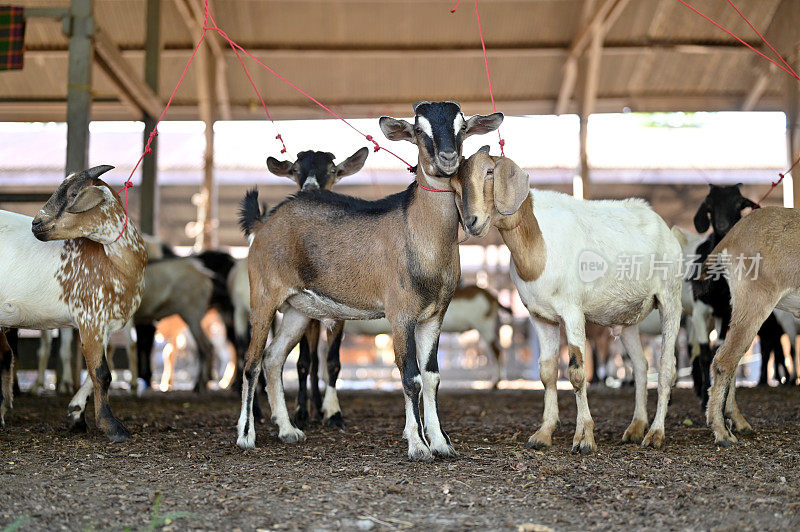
(471, 221)
(448, 157)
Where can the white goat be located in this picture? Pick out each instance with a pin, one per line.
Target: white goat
(83, 269)
(608, 262)
(759, 258)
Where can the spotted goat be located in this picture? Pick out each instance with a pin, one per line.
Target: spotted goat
(88, 274)
(326, 256)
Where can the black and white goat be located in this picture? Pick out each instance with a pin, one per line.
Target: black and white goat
(720, 210)
(321, 255)
(89, 272)
(570, 264)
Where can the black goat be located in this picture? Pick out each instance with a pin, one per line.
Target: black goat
(721, 209)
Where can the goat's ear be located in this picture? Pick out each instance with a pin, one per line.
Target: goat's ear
(280, 168)
(395, 129)
(352, 164)
(86, 199)
(480, 124)
(749, 203)
(511, 186)
(702, 220)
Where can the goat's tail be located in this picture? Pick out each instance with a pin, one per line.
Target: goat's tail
(250, 212)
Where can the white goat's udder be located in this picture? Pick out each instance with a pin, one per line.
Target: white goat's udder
(320, 307)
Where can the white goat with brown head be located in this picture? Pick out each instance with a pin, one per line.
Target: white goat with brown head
(563, 254)
(759, 258)
(83, 269)
(327, 256)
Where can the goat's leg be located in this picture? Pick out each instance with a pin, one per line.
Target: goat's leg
(145, 339)
(6, 377)
(549, 340)
(133, 363)
(575, 327)
(313, 371)
(633, 345)
(262, 319)
(94, 350)
(745, 323)
(65, 354)
(43, 356)
(330, 404)
(205, 351)
(310, 337)
(427, 344)
(670, 311)
(291, 330)
(405, 356)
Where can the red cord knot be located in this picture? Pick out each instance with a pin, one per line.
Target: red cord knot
(372, 140)
(126, 185)
(455, 6)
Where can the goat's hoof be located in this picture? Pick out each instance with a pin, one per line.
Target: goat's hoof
(635, 431)
(420, 454)
(247, 442)
(76, 424)
(118, 434)
(724, 443)
(654, 439)
(293, 435)
(537, 444)
(724, 439)
(301, 418)
(446, 451)
(336, 421)
(743, 428)
(583, 448)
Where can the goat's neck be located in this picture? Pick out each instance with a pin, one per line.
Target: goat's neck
(432, 216)
(521, 233)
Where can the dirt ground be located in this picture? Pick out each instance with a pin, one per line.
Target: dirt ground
(182, 468)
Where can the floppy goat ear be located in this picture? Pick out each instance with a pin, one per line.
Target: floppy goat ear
(88, 198)
(511, 186)
(352, 164)
(480, 124)
(395, 129)
(280, 168)
(702, 220)
(748, 203)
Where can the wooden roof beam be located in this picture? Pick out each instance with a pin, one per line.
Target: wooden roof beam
(599, 24)
(133, 91)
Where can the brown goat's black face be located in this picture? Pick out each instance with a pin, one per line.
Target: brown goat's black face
(65, 215)
(439, 131)
(722, 208)
(315, 170)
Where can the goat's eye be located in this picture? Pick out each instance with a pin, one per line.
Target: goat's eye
(73, 194)
(490, 172)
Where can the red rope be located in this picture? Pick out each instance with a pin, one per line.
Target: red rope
(778, 182)
(715, 23)
(433, 189)
(501, 141)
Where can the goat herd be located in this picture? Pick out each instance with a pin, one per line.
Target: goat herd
(321, 257)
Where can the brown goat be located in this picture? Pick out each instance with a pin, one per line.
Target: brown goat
(85, 271)
(759, 258)
(327, 256)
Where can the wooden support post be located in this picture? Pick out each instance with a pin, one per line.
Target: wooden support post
(79, 26)
(793, 126)
(148, 209)
(587, 108)
(207, 219)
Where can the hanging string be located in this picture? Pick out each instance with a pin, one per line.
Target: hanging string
(501, 141)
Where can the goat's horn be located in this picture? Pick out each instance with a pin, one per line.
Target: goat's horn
(97, 171)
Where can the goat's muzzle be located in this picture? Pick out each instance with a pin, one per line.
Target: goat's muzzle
(40, 231)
